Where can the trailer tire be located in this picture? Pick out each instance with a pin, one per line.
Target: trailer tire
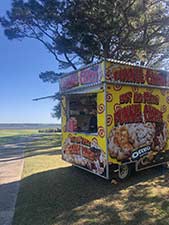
(124, 172)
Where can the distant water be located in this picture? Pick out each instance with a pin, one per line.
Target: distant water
(22, 126)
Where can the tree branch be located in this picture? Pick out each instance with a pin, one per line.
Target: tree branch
(69, 61)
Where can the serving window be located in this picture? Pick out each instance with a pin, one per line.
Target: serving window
(82, 113)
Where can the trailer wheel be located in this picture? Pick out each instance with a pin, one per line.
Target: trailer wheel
(124, 172)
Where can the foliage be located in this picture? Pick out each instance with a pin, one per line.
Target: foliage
(57, 108)
(79, 32)
(49, 76)
(82, 31)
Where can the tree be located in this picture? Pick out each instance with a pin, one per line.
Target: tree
(79, 32)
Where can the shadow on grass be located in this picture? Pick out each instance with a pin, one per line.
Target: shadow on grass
(27, 138)
(9, 139)
(69, 195)
(32, 146)
(15, 155)
(73, 196)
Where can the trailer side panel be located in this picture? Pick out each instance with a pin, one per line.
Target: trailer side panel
(138, 118)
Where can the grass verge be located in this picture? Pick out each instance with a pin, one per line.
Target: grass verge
(54, 193)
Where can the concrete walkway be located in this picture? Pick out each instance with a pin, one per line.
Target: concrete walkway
(11, 166)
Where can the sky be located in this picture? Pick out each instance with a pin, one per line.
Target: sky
(20, 65)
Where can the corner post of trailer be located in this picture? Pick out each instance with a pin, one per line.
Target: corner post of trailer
(105, 121)
(61, 105)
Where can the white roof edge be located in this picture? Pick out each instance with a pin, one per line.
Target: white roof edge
(113, 61)
(133, 64)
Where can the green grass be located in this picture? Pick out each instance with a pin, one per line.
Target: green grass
(52, 192)
(10, 133)
(9, 136)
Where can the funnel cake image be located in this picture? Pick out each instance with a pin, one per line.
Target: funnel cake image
(124, 139)
(120, 146)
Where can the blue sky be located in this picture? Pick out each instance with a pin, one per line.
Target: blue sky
(20, 65)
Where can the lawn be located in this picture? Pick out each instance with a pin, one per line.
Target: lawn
(9, 136)
(53, 192)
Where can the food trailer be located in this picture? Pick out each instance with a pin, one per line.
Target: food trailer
(115, 118)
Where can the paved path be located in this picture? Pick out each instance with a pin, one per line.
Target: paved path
(11, 166)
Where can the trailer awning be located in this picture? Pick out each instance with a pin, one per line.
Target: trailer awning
(84, 90)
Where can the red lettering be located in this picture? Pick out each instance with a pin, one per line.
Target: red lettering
(139, 77)
(133, 75)
(138, 98)
(87, 153)
(152, 114)
(146, 98)
(89, 75)
(69, 81)
(126, 98)
(128, 114)
(86, 142)
(116, 76)
(80, 140)
(76, 139)
(74, 149)
(155, 79)
(150, 99)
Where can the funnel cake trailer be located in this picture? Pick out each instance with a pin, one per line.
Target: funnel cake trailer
(129, 105)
